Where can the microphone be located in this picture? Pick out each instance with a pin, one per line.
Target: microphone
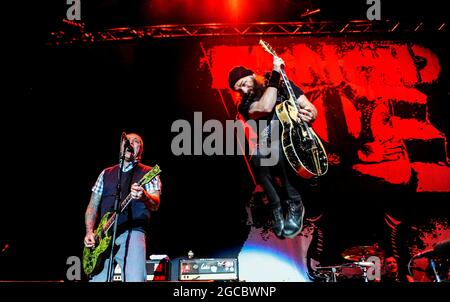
(442, 248)
(127, 145)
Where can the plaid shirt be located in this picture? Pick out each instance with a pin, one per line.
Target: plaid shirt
(153, 185)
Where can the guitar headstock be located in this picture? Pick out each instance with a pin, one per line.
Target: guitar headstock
(267, 47)
(150, 175)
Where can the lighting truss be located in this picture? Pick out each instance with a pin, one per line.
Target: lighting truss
(78, 33)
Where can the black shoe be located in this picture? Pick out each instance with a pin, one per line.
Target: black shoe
(294, 221)
(278, 222)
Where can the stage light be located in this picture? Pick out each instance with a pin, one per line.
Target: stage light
(263, 264)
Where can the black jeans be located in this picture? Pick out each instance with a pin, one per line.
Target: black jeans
(267, 176)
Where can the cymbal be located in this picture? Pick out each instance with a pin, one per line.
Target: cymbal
(355, 253)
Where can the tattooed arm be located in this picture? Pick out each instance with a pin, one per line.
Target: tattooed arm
(90, 219)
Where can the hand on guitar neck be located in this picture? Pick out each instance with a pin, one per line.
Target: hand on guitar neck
(150, 199)
(278, 64)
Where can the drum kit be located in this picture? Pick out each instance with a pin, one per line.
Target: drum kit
(361, 258)
(363, 261)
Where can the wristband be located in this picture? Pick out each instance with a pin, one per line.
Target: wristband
(274, 80)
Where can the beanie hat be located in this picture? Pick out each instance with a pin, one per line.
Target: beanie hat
(237, 73)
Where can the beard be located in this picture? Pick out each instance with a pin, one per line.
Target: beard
(257, 91)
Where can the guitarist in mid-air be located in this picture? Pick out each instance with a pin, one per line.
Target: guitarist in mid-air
(133, 221)
(259, 96)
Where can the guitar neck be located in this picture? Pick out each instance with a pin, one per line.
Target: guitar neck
(289, 87)
(292, 99)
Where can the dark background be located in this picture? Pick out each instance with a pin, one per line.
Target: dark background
(68, 105)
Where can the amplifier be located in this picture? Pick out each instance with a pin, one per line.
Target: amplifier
(209, 269)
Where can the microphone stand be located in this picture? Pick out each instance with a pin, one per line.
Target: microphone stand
(116, 210)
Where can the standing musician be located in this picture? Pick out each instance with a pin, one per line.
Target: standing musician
(133, 222)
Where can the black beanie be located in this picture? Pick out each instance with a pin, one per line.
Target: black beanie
(237, 73)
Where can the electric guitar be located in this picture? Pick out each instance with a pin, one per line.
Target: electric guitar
(93, 256)
(302, 147)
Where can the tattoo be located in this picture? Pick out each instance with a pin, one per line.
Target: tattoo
(92, 211)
